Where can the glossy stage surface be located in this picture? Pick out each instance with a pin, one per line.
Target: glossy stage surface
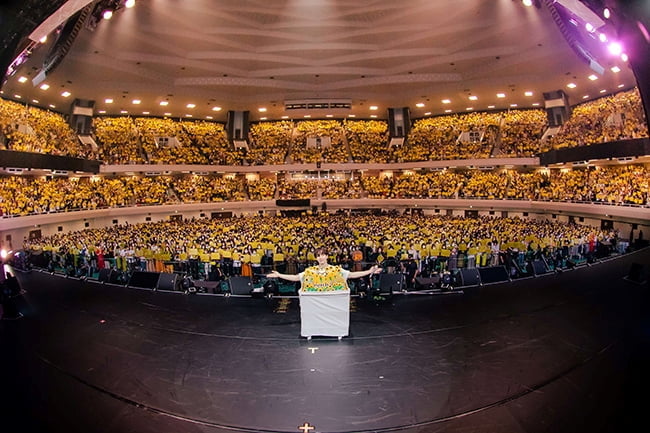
(567, 352)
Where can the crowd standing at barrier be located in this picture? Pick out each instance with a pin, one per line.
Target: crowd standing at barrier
(412, 244)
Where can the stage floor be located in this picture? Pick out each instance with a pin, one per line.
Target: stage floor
(566, 352)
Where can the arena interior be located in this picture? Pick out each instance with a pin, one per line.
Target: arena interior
(160, 161)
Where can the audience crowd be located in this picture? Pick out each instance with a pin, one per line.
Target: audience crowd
(610, 118)
(276, 241)
(150, 140)
(629, 184)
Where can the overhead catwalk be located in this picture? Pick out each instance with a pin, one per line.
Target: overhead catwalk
(565, 352)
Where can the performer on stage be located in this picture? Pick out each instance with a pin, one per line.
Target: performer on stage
(324, 277)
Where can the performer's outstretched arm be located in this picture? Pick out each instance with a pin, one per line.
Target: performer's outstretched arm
(358, 274)
(288, 277)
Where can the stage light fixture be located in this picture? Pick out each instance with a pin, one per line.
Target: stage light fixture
(615, 48)
(606, 13)
(107, 14)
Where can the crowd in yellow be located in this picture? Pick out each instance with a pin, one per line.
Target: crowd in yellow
(610, 118)
(249, 240)
(149, 140)
(629, 184)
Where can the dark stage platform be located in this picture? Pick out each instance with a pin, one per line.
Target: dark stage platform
(565, 352)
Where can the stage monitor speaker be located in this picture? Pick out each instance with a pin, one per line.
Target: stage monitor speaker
(241, 285)
(104, 275)
(495, 274)
(114, 277)
(637, 274)
(167, 281)
(389, 283)
(422, 283)
(146, 280)
(470, 277)
(540, 268)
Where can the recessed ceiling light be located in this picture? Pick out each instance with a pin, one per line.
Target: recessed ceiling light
(328, 115)
(52, 106)
(188, 115)
(447, 111)
(535, 104)
(286, 117)
(490, 106)
(603, 90)
(420, 104)
(216, 108)
(65, 94)
(593, 77)
(528, 93)
(469, 108)
(108, 100)
(124, 112)
(136, 101)
(501, 95)
(374, 108)
(22, 80)
(262, 118)
(164, 103)
(209, 117)
(615, 69)
(167, 114)
(102, 111)
(571, 85)
(262, 109)
(351, 115)
(513, 105)
(620, 86)
(624, 57)
(585, 97)
(35, 101)
(473, 98)
(190, 105)
(45, 86)
(145, 112)
(374, 116)
(446, 101)
(17, 96)
(428, 113)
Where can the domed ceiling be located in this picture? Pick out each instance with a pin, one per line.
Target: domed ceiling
(201, 58)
